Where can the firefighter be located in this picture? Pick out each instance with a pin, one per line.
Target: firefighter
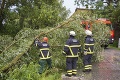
(71, 50)
(45, 56)
(88, 51)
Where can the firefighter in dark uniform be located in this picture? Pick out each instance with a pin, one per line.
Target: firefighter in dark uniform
(45, 56)
(71, 50)
(88, 51)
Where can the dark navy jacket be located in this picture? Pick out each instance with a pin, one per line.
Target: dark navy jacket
(44, 49)
(89, 44)
(72, 47)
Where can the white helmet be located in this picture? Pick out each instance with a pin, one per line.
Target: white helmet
(72, 33)
(88, 32)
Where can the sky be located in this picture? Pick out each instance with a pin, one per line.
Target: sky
(70, 5)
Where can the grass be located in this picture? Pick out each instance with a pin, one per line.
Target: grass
(114, 47)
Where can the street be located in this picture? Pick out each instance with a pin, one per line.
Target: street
(107, 69)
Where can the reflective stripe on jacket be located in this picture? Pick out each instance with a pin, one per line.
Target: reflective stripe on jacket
(72, 47)
(89, 45)
(43, 54)
(44, 50)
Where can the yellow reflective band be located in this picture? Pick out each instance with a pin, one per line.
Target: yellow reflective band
(63, 52)
(67, 45)
(71, 50)
(74, 70)
(89, 44)
(73, 46)
(45, 49)
(48, 55)
(90, 52)
(89, 49)
(45, 58)
(69, 71)
(36, 44)
(42, 53)
(90, 65)
(72, 56)
(86, 68)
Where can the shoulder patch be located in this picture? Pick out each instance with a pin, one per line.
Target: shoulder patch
(44, 44)
(91, 39)
(74, 40)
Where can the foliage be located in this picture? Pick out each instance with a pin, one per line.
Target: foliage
(109, 9)
(103, 39)
(28, 63)
(115, 44)
(116, 15)
(27, 72)
(35, 14)
(29, 15)
(103, 8)
(21, 45)
(5, 41)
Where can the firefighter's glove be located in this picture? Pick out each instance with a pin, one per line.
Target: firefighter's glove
(36, 42)
(85, 52)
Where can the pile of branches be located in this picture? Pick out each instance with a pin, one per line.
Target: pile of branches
(22, 50)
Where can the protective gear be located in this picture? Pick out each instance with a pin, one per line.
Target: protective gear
(71, 50)
(45, 39)
(89, 50)
(88, 32)
(89, 45)
(45, 56)
(43, 63)
(44, 50)
(87, 62)
(72, 33)
(85, 52)
(36, 41)
(68, 75)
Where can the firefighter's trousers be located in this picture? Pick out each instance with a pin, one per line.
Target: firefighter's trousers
(71, 64)
(87, 61)
(44, 63)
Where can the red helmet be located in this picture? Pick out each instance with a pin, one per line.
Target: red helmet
(45, 39)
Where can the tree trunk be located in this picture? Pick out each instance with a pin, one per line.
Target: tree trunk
(117, 32)
(2, 14)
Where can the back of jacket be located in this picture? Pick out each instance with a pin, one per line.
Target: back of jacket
(89, 44)
(44, 50)
(72, 47)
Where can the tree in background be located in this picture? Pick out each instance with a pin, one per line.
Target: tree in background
(16, 14)
(105, 9)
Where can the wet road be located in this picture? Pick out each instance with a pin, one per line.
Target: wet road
(107, 69)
